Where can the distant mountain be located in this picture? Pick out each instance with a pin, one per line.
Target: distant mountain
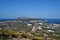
(53, 21)
(28, 18)
(20, 18)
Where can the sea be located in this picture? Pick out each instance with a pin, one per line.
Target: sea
(53, 21)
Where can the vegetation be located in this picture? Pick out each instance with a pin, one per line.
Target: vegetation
(8, 34)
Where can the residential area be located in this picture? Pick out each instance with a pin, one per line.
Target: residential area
(29, 29)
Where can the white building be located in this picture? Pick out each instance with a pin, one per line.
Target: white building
(29, 24)
(51, 31)
(40, 27)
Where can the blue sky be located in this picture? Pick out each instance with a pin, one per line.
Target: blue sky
(30, 8)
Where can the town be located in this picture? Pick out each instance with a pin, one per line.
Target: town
(29, 29)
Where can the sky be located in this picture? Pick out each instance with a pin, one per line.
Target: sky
(30, 8)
